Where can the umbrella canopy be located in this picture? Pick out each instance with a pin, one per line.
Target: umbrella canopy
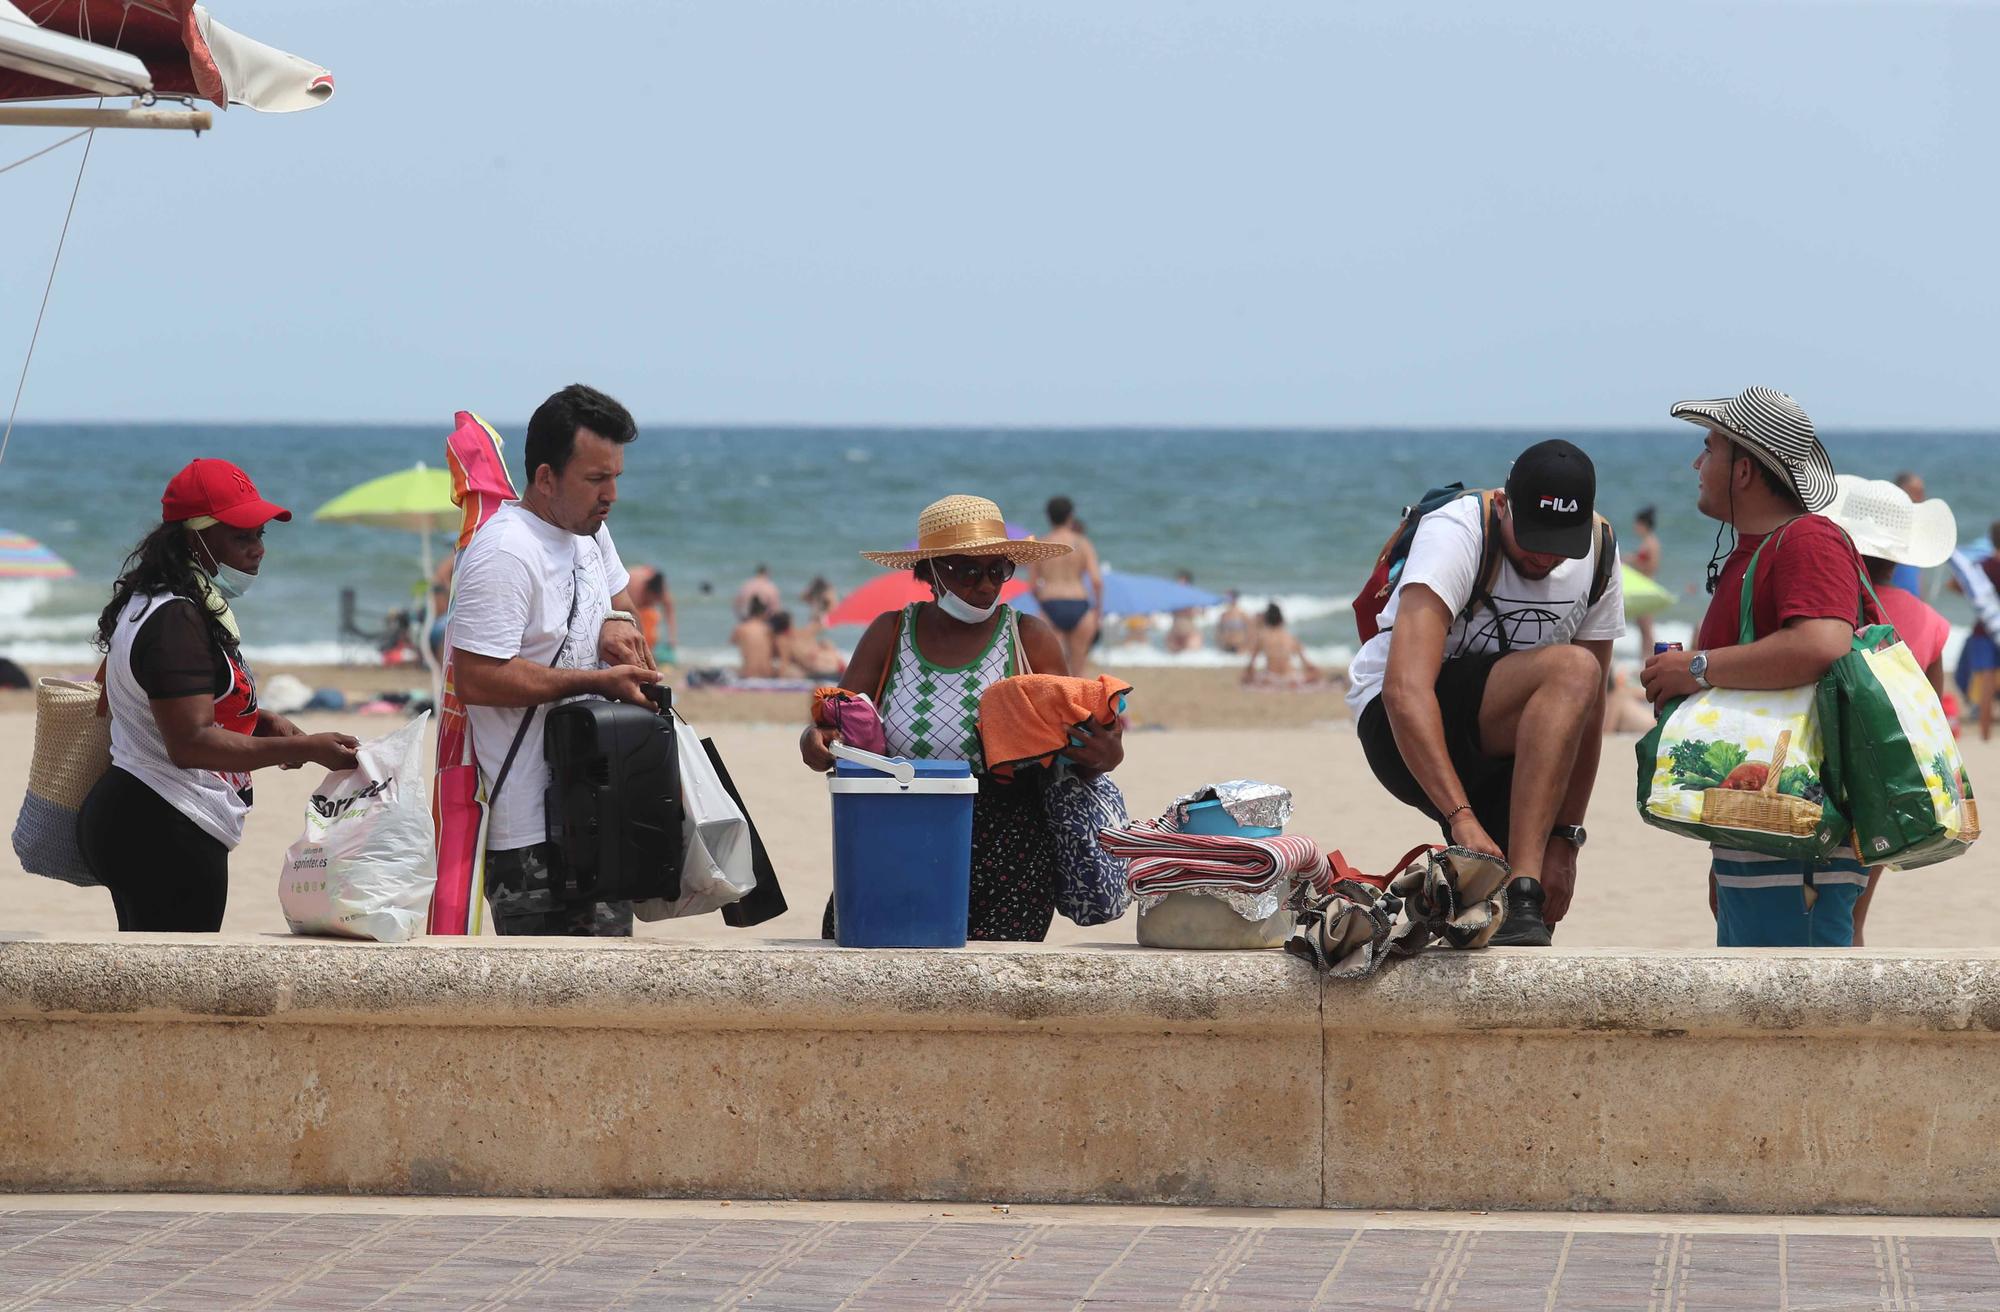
(417, 500)
(895, 590)
(186, 52)
(1643, 597)
(1148, 594)
(1143, 594)
(21, 557)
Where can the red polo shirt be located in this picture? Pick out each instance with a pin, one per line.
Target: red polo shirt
(1812, 572)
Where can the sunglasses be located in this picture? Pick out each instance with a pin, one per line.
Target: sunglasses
(969, 572)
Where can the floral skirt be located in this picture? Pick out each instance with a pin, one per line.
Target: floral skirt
(1013, 865)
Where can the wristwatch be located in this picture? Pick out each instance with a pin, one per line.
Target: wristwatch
(1698, 670)
(1573, 834)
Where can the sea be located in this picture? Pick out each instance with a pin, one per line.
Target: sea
(1291, 516)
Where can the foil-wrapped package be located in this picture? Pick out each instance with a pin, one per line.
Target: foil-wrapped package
(1246, 801)
(1250, 906)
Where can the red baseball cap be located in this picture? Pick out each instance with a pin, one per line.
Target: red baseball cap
(221, 491)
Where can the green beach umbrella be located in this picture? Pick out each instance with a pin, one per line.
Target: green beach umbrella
(416, 500)
(1643, 597)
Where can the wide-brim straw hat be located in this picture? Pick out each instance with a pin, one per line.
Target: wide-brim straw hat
(966, 526)
(1776, 431)
(1886, 524)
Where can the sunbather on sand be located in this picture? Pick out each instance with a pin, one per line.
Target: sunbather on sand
(1284, 657)
(756, 643)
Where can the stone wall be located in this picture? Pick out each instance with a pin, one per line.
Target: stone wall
(1746, 1081)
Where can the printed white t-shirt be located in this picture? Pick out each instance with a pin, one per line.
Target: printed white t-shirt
(510, 597)
(1444, 557)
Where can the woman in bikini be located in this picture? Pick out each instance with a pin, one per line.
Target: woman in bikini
(926, 666)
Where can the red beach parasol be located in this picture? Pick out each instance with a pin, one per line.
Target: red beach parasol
(895, 590)
(186, 52)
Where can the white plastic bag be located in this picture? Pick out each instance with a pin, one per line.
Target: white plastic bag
(716, 869)
(364, 868)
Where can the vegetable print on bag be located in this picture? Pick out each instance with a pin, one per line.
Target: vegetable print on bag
(1743, 768)
(1905, 780)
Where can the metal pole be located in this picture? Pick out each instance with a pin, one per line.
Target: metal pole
(424, 632)
(179, 120)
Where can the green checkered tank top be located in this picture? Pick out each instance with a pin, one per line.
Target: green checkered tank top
(932, 713)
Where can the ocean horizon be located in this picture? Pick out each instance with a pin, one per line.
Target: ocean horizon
(1293, 515)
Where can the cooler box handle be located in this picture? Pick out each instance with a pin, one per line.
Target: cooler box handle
(900, 769)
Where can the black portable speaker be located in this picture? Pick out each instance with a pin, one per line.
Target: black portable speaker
(614, 799)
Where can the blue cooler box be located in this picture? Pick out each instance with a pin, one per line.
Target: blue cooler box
(902, 855)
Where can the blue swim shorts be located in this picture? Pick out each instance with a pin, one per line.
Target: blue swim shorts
(1761, 901)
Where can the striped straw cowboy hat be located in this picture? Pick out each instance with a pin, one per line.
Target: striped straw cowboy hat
(966, 526)
(1776, 431)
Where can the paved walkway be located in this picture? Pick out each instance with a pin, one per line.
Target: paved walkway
(202, 1254)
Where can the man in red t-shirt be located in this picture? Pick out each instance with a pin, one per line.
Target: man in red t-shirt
(1763, 471)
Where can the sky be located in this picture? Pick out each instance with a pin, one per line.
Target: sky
(1044, 212)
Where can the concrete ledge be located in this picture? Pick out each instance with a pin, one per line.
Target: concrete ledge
(1747, 1081)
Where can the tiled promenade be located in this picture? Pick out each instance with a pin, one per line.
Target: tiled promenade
(200, 1255)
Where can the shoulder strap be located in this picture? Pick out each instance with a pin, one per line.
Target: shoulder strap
(1021, 665)
(889, 662)
(513, 748)
(1746, 625)
(1489, 568)
(1607, 553)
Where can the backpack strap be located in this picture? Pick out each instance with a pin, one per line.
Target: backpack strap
(1489, 567)
(1607, 554)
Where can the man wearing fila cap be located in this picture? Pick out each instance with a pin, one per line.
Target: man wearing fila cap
(1481, 701)
(1763, 474)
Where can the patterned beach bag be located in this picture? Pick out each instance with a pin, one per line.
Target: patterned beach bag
(1090, 882)
(1903, 779)
(72, 752)
(1746, 768)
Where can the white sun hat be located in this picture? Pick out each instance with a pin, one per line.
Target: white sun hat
(1886, 524)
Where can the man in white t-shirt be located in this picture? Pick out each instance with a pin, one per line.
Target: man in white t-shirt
(541, 614)
(1484, 707)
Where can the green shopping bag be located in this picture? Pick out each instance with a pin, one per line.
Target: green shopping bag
(1901, 774)
(1745, 768)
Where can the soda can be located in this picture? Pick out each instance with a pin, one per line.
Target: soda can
(1659, 647)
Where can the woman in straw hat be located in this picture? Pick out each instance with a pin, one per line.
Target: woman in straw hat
(1891, 530)
(926, 666)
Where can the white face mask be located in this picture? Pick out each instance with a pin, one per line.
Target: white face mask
(958, 607)
(230, 581)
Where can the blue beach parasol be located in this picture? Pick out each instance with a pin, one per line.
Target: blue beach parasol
(1141, 594)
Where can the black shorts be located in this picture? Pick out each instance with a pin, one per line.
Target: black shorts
(1488, 780)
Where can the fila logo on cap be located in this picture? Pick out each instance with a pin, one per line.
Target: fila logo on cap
(1561, 505)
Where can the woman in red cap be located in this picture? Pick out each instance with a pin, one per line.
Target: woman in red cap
(186, 730)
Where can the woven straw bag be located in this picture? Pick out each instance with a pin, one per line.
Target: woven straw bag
(72, 752)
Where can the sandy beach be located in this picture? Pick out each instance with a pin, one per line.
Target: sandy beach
(1638, 887)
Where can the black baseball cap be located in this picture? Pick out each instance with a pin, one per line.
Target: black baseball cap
(1552, 492)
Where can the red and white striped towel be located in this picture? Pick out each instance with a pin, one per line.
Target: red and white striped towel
(1162, 859)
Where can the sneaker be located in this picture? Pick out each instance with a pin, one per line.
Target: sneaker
(1524, 926)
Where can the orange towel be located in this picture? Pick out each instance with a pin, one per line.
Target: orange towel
(1026, 720)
